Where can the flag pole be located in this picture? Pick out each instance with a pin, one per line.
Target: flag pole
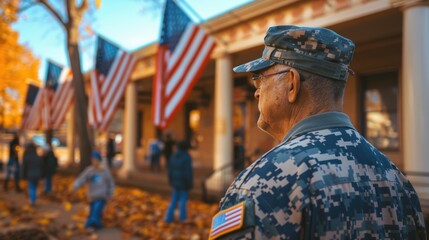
(200, 19)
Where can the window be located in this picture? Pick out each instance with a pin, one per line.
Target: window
(192, 123)
(194, 119)
(381, 126)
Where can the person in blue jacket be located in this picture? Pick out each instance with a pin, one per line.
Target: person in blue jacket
(180, 177)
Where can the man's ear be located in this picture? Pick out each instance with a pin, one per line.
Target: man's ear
(294, 85)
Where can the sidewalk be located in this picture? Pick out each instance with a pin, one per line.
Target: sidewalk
(131, 214)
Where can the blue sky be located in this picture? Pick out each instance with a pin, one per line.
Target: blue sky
(131, 24)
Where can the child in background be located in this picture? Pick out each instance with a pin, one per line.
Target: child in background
(101, 187)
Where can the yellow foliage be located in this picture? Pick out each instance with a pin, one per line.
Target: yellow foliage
(97, 4)
(17, 65)
(69, 233)
(67, 206)
(44, 221)
(77, 218)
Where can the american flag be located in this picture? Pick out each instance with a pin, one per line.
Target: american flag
(62, 99)
(227, 221)
(51, 83)
(30, 99)
(53, 75)
(112, 71)
(40, 114)
(34, 119)
(52, 101)
(184, 51)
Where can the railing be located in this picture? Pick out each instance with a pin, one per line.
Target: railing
(418, 179)
(417, 174)
(225, 181)
(205, 195)
(422, 183)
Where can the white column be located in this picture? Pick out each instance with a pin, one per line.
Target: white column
(223, 142)
(130, 128)
(415, 86)
(71, 132)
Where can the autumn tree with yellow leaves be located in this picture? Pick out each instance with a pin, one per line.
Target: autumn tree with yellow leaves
(17, 67)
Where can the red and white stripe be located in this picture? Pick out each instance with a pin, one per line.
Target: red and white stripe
(27, 110)
(158, 87)
(233, 219)
(34, 118)
(63, 99)
(47, 95)
(176, 76)
(107, 92)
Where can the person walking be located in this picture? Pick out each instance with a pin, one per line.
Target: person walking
(13, 167)
(101, 188)
(323, 180)
(180, 177)
(32, 170)
(50, 165)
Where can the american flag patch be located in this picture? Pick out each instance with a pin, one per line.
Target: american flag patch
(227, 221)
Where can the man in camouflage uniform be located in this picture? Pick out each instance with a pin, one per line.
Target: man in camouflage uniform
(324, 180)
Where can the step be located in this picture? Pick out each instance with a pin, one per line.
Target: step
(154, 182)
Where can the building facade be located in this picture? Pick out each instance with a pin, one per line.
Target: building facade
(385, 99)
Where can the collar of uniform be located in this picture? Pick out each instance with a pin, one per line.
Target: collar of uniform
(318, 122)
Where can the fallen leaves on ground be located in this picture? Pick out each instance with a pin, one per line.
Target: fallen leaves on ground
(12, 216)
(135, 212)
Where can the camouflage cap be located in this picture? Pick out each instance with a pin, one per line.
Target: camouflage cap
(317, 50)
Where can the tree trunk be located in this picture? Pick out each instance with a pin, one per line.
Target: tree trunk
(74, 14)
(81, 106)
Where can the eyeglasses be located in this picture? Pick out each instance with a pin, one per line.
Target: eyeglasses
(258, 77)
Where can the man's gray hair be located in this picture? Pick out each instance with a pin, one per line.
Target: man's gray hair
(321, 88)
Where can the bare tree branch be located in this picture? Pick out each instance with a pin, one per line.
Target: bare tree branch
(52, 10)
(27, 6)
(84, 6)
(68, 5)
(75, 18)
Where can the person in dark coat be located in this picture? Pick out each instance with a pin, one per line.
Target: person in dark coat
(32, 170)
(180, 177)
(238, 158)
(110, 151)
(50, 164)
(13, 166)
(168, 148)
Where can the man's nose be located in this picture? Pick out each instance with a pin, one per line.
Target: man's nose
(257, 93)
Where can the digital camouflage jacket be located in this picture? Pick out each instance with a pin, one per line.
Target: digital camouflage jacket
(323, 181)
